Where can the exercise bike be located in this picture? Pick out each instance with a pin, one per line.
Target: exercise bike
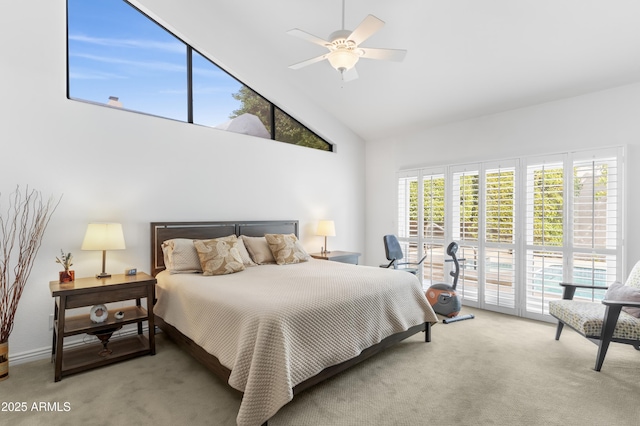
(443, 297)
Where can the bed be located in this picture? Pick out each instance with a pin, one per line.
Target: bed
(273, 330)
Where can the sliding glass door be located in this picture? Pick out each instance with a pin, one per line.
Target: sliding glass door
(573, 225)
(523, 226)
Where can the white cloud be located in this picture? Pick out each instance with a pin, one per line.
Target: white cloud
(173, 47)
(154, 65)
(90, 74)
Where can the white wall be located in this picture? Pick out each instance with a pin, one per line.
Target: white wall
(112, 165)
(606, 118)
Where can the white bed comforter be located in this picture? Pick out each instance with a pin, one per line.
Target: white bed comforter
(274, 326)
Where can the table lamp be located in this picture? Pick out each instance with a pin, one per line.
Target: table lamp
(103, 236)
(326, 228)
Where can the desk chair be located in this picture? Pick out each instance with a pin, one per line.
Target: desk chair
(394, 254)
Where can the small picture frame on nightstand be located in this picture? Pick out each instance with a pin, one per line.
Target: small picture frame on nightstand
(130, 271)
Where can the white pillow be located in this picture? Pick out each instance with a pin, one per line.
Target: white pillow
(244, 254)
(258, 249)
(624, 293)
(181, 256)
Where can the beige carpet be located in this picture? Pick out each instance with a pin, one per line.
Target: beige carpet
(492, 370)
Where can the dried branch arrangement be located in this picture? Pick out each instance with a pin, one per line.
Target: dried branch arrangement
(21, 231)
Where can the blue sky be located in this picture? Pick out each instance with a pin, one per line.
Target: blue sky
(114, 50)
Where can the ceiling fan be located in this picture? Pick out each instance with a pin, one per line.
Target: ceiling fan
(344, 47)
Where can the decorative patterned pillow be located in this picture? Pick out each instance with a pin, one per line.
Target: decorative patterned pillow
(180, 256)
(624, 293)
(259, 250)
(286, 248)
(219, 256)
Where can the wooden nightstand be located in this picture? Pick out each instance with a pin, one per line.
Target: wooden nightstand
(338, 256)
(94, 291)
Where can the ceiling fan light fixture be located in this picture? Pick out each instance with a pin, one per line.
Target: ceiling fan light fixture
(344, 47)
(343, 59)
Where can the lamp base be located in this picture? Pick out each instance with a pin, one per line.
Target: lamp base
(325, 251)
(103, 274)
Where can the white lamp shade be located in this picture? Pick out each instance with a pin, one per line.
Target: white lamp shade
(326, 228)
(103, 236)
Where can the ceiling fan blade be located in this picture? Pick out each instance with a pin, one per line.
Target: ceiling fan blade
(349, 75)
(396, 55)
(308, 37)
(308, 62)
(366, 29)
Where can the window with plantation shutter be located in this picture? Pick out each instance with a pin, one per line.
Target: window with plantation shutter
(407, 205)
(499, 235)
(523, 226)
(595, 213)
(545, 232)
(433, 202)
(465, 207)
(466, 204)
(408, 214)
(500, 205)
(421, 220)
(545, 204)
(596, 221)
(433, 226)
(573, 227)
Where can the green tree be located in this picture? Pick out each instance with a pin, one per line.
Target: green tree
(413, 208)
(434, 207)
(469, 204)
(602, 182)
(252, 103)
(548, 204)
(499, 206)
(499, 211)
(287, 129)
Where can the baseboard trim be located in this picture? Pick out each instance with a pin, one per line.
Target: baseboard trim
(45, 352)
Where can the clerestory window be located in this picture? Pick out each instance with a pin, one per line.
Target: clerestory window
(119, 57)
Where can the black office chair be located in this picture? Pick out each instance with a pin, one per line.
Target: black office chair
(394, 253)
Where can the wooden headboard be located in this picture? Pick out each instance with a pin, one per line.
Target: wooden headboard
(162, 231)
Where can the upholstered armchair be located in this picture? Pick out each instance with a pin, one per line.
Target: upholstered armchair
(615, 319)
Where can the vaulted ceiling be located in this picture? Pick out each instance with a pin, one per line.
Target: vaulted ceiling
(466, 58)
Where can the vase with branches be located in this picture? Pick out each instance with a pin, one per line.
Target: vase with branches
(22, 227)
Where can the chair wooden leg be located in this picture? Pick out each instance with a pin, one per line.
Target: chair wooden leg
(608, 326)
(559, 329)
